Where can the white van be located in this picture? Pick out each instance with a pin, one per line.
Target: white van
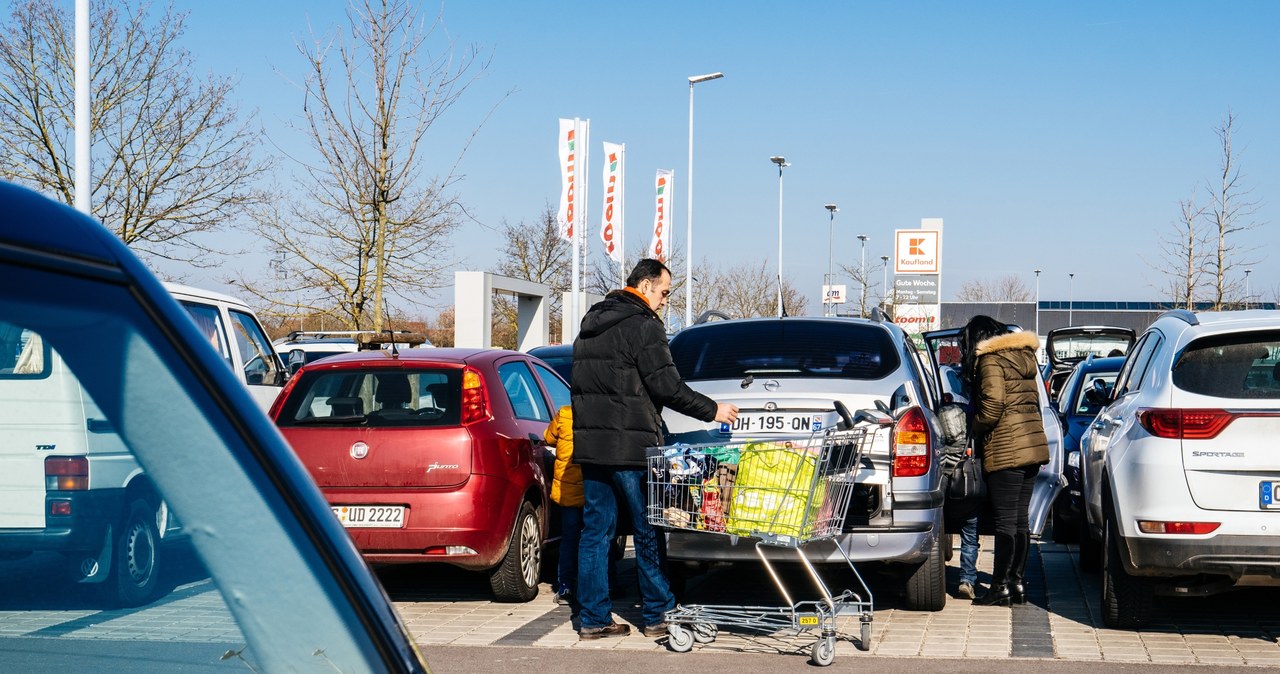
(67, 482)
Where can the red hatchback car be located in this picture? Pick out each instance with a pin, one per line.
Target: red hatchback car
(432, 455)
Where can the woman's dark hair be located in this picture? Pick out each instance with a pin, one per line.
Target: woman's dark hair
(975, 331)
(647, 268)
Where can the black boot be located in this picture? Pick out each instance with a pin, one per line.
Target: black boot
(998, 593)
(1018, 568)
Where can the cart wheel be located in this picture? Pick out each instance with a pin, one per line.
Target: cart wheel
(824, 652)
(864, 637)
(679, 639)
(705, 633)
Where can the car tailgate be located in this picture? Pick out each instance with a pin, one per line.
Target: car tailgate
(1229, 471)
(384, 457)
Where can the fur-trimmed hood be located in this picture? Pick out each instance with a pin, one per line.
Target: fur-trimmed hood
(1008, 342)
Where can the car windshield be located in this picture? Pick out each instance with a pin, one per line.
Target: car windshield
(1238, 365)
(426, 397)
(785, 348)
(1079, 347)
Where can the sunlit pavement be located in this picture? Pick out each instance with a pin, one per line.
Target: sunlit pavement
(446, 606)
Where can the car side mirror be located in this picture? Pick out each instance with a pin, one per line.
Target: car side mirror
(1098, 394)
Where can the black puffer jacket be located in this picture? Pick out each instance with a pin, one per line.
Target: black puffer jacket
(622, 378)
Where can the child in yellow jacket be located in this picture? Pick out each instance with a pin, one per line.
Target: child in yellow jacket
(566, 491)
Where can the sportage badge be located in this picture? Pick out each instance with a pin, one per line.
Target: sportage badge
(359, 450)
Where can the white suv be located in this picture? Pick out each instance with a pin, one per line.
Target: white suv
(1182, 472)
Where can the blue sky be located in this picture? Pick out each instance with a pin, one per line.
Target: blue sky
(1058, 136)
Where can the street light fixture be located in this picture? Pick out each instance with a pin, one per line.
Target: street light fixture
(1071, 298)
(688, 218)
(884, 294)
(862, 271)
(827, 302)
(1246, 288)
(1037, 303)
(782, 163)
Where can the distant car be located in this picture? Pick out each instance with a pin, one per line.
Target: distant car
(173, 424)
(432, 455)
(1083, 395)
(1064, 347)
(1182, 476)
(558, 356)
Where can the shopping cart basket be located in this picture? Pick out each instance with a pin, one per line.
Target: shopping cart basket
(784, 494)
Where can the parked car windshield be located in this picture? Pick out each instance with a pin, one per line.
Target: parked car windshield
(1238, 365)
(1079, 347)
(416, 398)
(785, 348)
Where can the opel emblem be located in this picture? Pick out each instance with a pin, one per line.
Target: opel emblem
(772, 385)
(359, 450)
(770, 406)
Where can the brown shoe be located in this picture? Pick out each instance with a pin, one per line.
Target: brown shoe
(613, 629)
(655, 631)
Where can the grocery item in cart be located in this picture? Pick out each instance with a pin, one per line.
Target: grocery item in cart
(772, 491)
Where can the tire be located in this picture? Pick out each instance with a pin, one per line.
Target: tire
(1090, 550)
(515, 579)
(1126, 600)
(927, 582)
(864, 637)
(679, 639)
(705, 633)
(135, 562)
(823, 653)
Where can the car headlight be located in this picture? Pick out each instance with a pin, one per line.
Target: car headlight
(1073, 459)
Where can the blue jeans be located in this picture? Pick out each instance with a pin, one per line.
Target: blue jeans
(570, 535)
(600, 515)
(969, 551)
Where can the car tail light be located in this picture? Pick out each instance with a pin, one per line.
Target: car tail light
(66, 473)
(1184, 424)
(475, 398)
(1193, 528)
(910, 444)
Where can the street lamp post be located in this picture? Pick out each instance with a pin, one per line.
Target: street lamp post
(862, 271)
(1246, 288)
(782, 163)
(1071, 298)
(831, 237)
(884, 281)
(688, 218)
(1037, 303)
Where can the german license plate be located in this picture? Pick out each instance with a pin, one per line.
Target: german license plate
(774, 422)
(1269, 495)
(368, 516)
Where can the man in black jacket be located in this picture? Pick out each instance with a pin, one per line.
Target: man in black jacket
(622, 378)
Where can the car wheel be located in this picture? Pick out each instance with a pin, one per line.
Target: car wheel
(516, 578)
(927, 581)
(135, 558)
(1126, 600)
(1090, 550)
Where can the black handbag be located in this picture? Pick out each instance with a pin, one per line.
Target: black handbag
(966, 482)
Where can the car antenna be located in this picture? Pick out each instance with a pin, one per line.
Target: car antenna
(395, 353)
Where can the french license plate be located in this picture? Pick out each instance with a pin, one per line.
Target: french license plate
(362, 516)
(1269, 495)
(767, 422)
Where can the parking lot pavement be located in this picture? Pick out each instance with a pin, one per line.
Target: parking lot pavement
(446, 606)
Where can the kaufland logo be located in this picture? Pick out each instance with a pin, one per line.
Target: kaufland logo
(915, 247)
(916, 251)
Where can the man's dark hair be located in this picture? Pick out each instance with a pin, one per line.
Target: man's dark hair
(647, 268)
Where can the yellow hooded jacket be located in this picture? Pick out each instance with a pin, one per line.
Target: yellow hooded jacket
(566, 483)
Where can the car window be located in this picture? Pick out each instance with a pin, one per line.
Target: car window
(522, 391)
(374, 397)
(259, 358)
(1238, 365)
(1064, 402)
(922, 374)
(783, 349)
(209, 320)
(1081, 403)
(23, 354)
(555, 387)
(1135, 367)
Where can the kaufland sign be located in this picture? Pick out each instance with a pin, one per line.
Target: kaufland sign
(916, 251)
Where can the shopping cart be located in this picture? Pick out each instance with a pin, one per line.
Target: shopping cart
(784, 494)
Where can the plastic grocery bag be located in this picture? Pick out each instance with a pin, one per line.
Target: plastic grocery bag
(771, 494)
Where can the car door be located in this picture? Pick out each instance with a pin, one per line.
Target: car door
(1114, 419)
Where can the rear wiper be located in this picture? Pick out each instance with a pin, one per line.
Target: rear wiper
(747, 381)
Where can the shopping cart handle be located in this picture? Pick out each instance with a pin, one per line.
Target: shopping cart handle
(846, 419)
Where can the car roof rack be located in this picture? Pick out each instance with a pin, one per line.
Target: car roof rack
(295, 335)
(368, 340)
(1183, 315)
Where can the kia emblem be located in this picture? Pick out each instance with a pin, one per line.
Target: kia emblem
(359, 450)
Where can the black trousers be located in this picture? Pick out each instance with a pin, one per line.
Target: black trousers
(1010, 494)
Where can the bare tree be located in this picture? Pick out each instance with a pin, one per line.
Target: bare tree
(1230, 213)
(864, 283)
(532, 253)
(172, 157)
(1008, 288)
(1182, 255)
(366, 221)
(747, 291)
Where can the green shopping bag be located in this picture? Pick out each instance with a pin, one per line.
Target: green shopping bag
(771, 493)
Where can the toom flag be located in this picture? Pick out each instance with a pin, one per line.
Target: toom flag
(611, 226)
(566, 141)
(660, 246)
